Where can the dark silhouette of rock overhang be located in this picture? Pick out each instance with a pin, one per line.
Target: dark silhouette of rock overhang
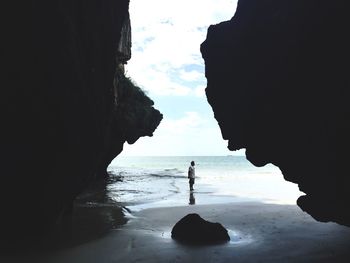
(63, 103)
(278, 83)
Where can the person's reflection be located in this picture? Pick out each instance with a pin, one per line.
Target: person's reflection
(192, 199)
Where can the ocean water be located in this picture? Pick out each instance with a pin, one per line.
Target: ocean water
(143, 182)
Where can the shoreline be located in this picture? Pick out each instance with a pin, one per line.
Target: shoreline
(104, 230)
(259, 233)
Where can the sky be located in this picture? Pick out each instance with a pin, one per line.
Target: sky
(167, 64)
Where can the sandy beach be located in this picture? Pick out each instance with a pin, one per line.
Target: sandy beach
(129, 218)
(259, 233)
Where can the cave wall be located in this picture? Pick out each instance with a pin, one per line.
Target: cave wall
(133, 114)
(278, 83)
(133, 117)
(59, 99)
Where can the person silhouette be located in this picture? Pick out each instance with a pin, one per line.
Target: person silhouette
(192, 199)
(191, 175)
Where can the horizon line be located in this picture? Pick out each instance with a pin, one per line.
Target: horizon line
(235, 155)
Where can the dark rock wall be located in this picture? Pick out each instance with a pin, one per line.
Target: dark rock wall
(59, 99)
(278, 82)
(133, 117)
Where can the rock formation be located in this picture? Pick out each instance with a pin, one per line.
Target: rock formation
(192, 229)
(134, 117)
(63, 106)
(278, 83)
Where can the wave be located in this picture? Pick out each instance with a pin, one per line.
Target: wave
(165, 175)
(173, 170)
(128, 173)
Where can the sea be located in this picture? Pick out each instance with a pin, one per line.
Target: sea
(140, 182)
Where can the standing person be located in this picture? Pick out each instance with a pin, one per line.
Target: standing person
(191, 175)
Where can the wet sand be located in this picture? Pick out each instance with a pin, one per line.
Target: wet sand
(259, 233)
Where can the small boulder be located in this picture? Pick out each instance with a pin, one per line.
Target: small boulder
(192, 229)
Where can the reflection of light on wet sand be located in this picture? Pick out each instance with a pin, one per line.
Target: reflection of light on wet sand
(236, 237)
(258, 232)
(128, 213)
(268, 187)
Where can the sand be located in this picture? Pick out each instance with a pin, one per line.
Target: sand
(259, 233)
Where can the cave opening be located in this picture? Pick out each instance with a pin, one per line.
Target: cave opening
(187, 133)
(75, 104)
(167, 64)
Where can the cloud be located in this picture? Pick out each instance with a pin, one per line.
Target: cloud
(191, 120)
(166, 61)
(157, 83)
(166, 37)
(200, 91)
(192, 75)
(191, 135)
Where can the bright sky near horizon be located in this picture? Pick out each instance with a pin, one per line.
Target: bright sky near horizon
(166, 62)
